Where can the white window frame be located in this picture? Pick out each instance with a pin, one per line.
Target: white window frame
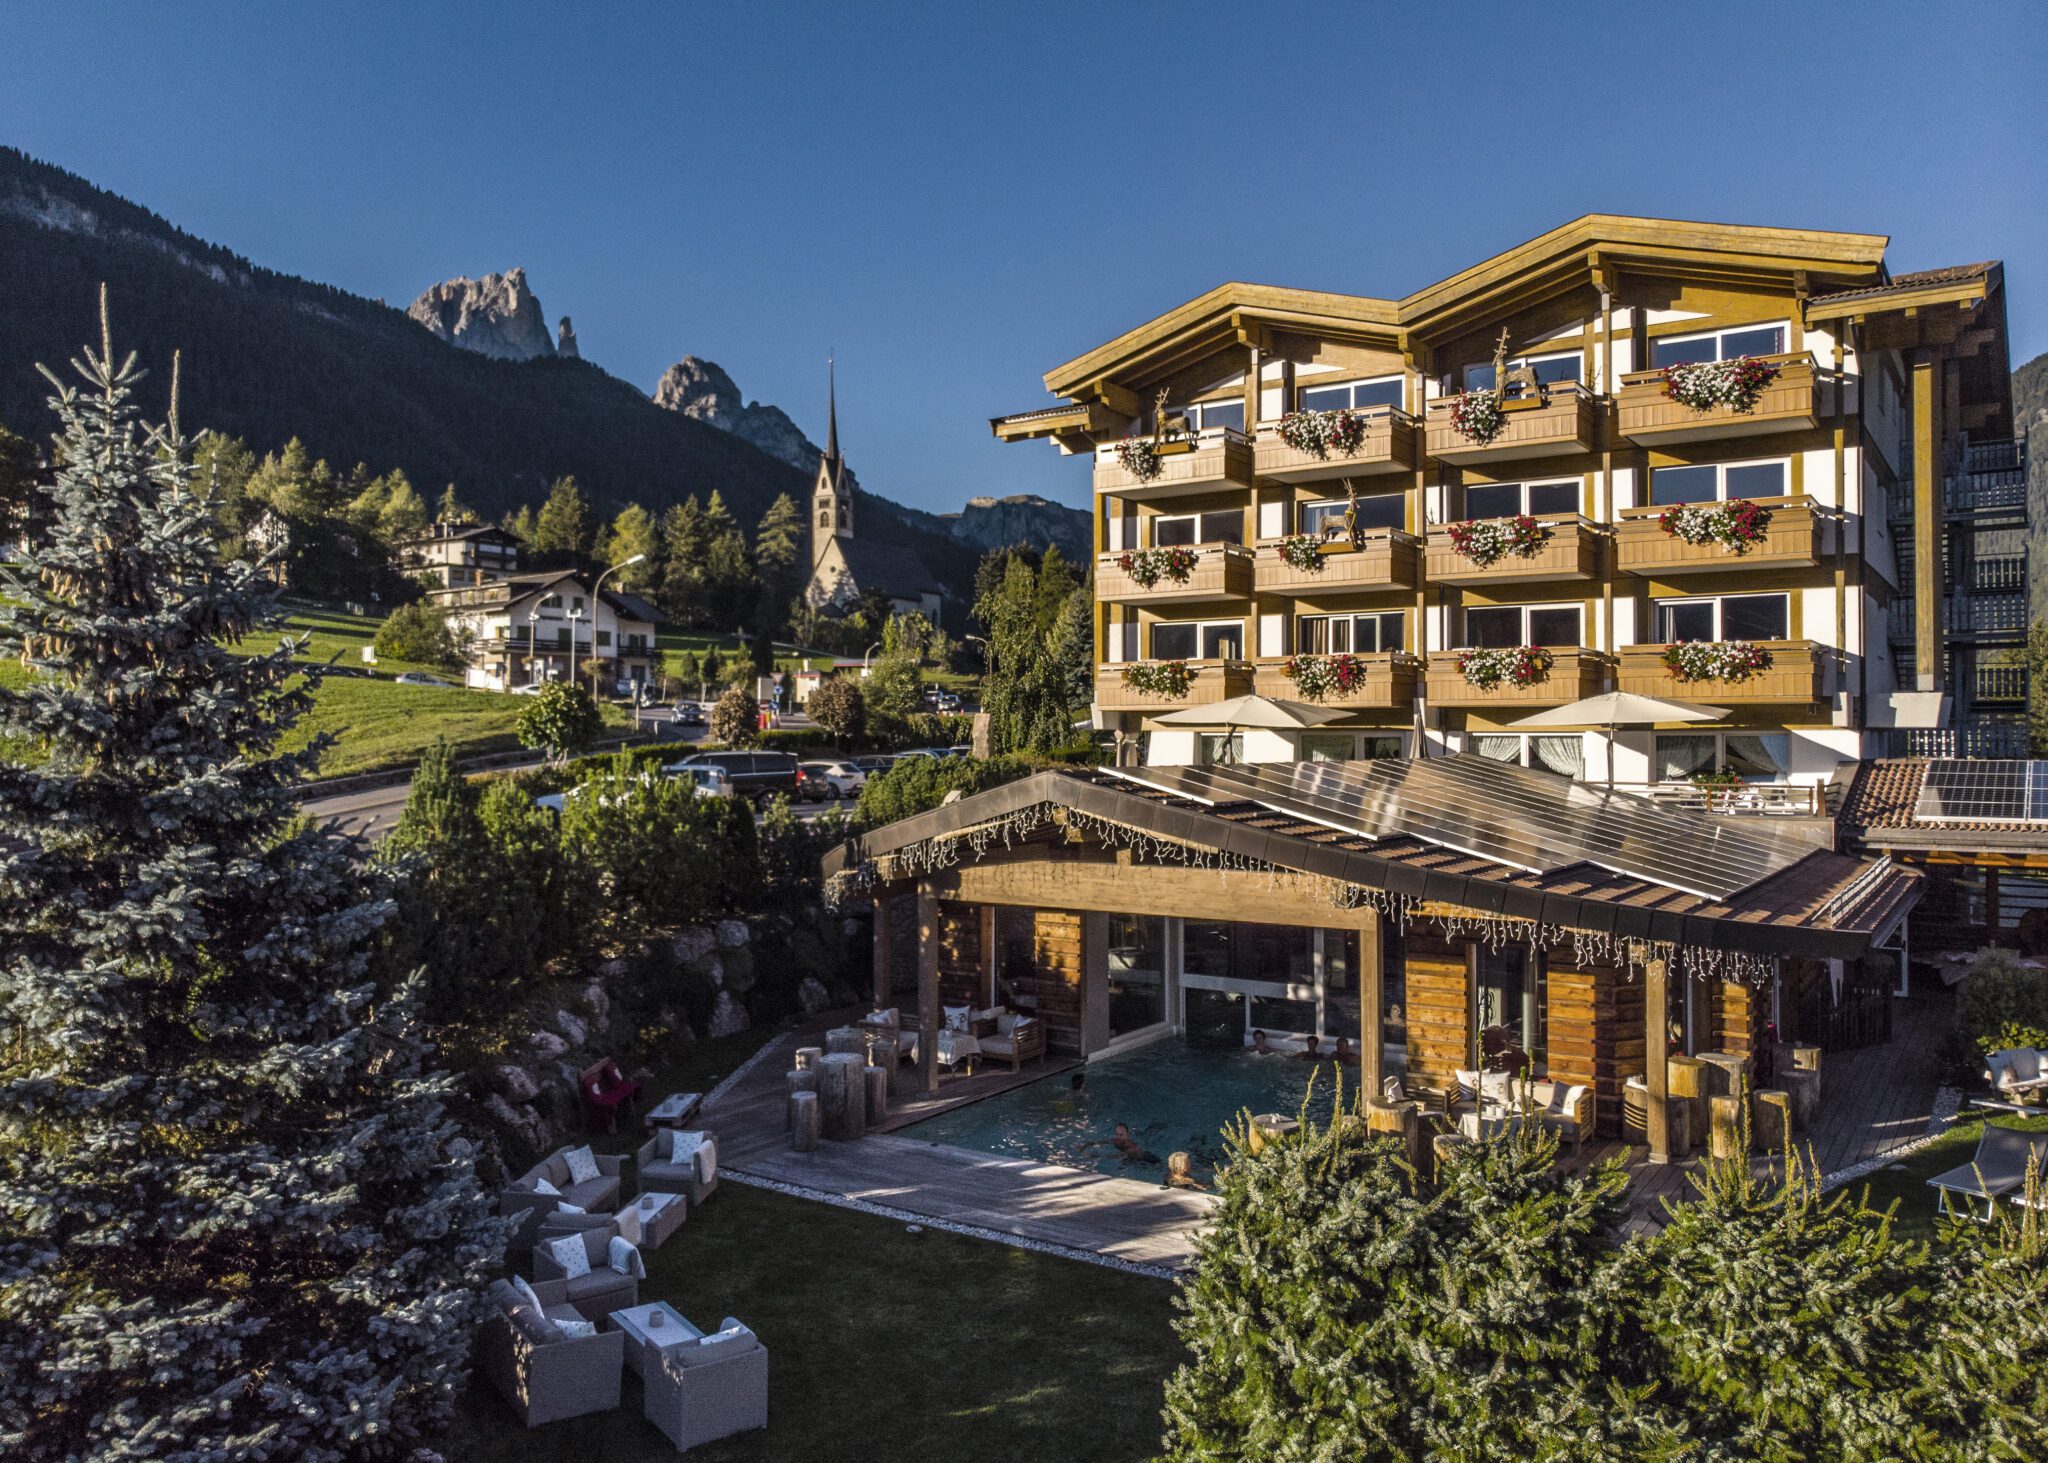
(1350, 388)
(1200, 629)
(1720, 333)
(1351, 633)
(1526, 756)
(1196, 519)
(1197, 413)
(1464, 631)
(1532, 358)
(1577, 484)
(1658, 606)
(1721, 479)
(1399, 738)
(1301, 510)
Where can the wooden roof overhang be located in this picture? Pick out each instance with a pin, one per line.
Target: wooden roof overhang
(1827, 906)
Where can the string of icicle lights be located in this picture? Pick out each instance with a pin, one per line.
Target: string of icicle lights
(1494, 931)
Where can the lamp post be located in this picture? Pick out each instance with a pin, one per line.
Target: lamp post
(596, 592)
(533, 642)
(866, 653)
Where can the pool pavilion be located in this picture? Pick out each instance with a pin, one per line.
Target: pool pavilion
(1434, 912)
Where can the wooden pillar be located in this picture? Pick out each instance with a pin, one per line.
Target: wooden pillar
(928, 1018)
(1372, 1005)
(1928, 641)
(988, 956)
(884, 950)
(1991, 912)
(1656, 1055)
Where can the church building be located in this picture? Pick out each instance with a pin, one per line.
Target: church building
(843, 567)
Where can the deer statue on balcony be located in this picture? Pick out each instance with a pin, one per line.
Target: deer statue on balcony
(1522, 377)
(1353, 529)
(1164, 425)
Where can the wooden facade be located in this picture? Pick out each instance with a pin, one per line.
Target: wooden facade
(1794, 675)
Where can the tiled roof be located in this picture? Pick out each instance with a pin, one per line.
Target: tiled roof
(1917, 280)
(1883, 795)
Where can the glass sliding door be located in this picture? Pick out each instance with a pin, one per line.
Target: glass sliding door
(1137, 973)
(1504, 1004)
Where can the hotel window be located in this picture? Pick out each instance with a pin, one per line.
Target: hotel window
(1709, 482)
(1137, 972)
(1752, 756)
(1377, 510)
(1224, 527)
(1277, 955)
(1563, 753)
(1503, 627)
(1347, 634)
(1199, 640)
(1219, 749)
(1350, 746)
(604, 637)
(1505, 500)
(1550, 369)
(1718, 345)
(1352, 395)
(1203, 415)
(1728, 617)
(553, 602)
(576, 605)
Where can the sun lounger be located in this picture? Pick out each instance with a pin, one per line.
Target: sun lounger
(1999, 1167)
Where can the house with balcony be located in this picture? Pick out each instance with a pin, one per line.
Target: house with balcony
(525, 629)
(1699, 462)
(451, 554)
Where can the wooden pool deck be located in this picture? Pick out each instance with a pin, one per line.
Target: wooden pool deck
(1874, 1102)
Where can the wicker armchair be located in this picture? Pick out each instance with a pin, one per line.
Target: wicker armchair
(697, 1179)
(604, 1290)
(713, 1389)
(545, 1375)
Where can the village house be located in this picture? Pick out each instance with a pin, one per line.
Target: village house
(524, 629)
(452, 554)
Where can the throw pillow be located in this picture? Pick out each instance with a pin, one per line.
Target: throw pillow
(582, 1164)
(542, 1186)
(682, 1145)
(568, 1208)
(577, 1328)
(956, 1018)
(570, 1255)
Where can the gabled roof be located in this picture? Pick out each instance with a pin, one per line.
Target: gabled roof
(1880, 811)
(886, 567)
(1953, 284)
(511, 589)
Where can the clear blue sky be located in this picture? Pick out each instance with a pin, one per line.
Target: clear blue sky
(956, 197)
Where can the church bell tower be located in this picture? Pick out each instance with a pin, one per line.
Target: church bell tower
(831, 498)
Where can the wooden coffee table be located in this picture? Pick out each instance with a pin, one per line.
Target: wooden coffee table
(675, 1110)
(652, 1327)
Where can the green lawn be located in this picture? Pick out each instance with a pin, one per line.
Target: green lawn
(333, 635)
(1906, 1182)
(383, 724)
(884, 1344)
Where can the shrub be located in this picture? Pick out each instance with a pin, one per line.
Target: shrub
(736, 718)
(791, 848)
(838, 706)
(659, 855)
(918, 783)
(560, 720)
(1996, 995)
(418, 633)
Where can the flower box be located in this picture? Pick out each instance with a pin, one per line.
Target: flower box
(1208, 681)
(1382, 681)
(1794, 674)
(1386, 558)
(1792, 536)
(1565, 421)
(1218, 457)
(1386, 443)
(1790, 401)
(1570, 549)
(1219, 571)
(1574, 672)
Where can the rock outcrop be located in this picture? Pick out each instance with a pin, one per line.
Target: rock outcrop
(1021, 518)
(494, 316)
(565, 341)
(702, 391)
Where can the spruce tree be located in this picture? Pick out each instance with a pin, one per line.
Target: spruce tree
(236, 1221)
(561, 529)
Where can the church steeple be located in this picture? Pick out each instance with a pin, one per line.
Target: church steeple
(831, 498)
(831, 410)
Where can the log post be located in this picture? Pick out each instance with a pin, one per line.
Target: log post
(1686, 1082)
(886, 1054)
(803, 1122)
(1372, 1006)
(1725, 1111)
(1804, 1090)
(1402, 1120)
(1656, 1052)
(847, 1039)
(928, 1019)
(1772, 1122)
(876, 1080)
(807, 1056)
(1807, 1059)
(801, 1079)
(843, 1096)
(884, 950)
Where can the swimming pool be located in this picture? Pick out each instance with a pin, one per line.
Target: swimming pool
(1174, 1097)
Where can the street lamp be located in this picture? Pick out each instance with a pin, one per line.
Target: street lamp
(866, 653)
(533, 642)
(596, 590)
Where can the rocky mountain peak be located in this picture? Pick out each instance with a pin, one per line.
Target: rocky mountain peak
(702, 391)
(565, 341)
(494, 316)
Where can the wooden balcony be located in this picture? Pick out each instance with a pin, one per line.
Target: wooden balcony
(1792, 538)
(1649, 418)
(1218, 458)
(1795, 676)
(1389, 683)
(1222, 571)
(1572, 551)
(1213, 681)
(1565, 420)
(1387, 558)
(1389, 446)
(1575, 672)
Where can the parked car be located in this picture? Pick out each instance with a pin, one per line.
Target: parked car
(813, 786)
(711, 782)
(874, 765)
(421, 678)
(689, 713)
(846, 779)
(531, 688)
(949, 701)
(756, 775)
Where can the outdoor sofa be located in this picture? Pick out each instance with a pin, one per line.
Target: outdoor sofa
(1017, 1039)
(597, 1294)
(696, 1178)
(2018, 1073)
(531, 1205)
(545, 1374)
(1999, 1167)
(712, 1389)
(1565, 1107)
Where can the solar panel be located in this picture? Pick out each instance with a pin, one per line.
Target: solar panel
(1996, 790)
(1513, 815)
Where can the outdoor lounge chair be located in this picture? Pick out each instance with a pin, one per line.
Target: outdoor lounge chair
(1017, 1039)
(602, 1291)
(544, 1374)
(711, 1390)
(521, 1199)
(2017, 1074)
(1565, 1106)
(1999, 1167)
(889, 1023)
(605, 1089)
(696, 1178)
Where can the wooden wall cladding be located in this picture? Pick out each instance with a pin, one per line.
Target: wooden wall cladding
(1438, 1015)
(1741, 1012)
(960, 960)
(1595, 1027)
(1056, 950)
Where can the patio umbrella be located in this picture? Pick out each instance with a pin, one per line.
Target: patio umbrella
(1613, 710)
(1261, 713)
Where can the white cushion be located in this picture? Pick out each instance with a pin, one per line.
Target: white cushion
(542, 1186)
(730, 1333)
(576, 1328)
(565, 1207)
(570, 1255)
(526, 1294)
(2025, 1063)
(582, 1164)
(682, 1144)
(956, 1018)
(1468, 1085)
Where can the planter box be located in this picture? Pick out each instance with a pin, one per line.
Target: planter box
(1388, 559)
(1649, 418)
(1389, 683)
(1571, 552)
(1575, 672)
(1791, 538)
(1565, 421)
(1218, 458)
(1214, 680)
(1389, 446)
(1795, 675)
(1222, 571)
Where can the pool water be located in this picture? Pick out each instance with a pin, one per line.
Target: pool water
(1173, 1096)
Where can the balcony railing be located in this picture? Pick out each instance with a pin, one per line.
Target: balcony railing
(1794, 675)
(2005, 684)
(1388, 683)
(1650, 418)
(1210, 681)
(1987, 739)
(1386, 558)
(1767, 799)
(2005, 574)
(1575, 672)
(1565, 419)
(1217, 457)
(1389, 446)
(1571, 550)
(1985, 614)
(1222, 571)
(1792, 537)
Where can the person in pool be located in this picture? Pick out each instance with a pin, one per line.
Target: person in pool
(1072, 1102)
(1344, 1056)
(1309, 1051)
(1259, 1044)
(1180, 1173)
(1131, 1150)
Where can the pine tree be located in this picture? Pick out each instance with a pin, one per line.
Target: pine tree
(452, 509)
(221, 469)
(561, 529)
(686, 550)
(1022, 602)
(298, 485)
(520, 525)
(237, 1222)
(633, 532)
